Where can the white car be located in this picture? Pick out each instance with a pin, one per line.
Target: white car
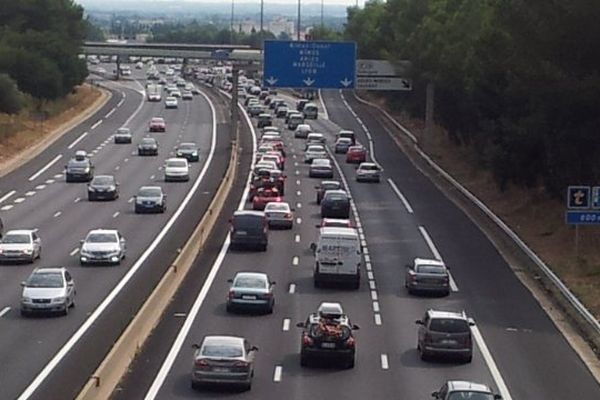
(20, 245)
(321, 168)
(171, 102)
(314, 151)
(368, 172)
(48, 289)
(102, 246)
(177, 169)
(175, 93)
(279, 215)
(187, 95)
(302, 131)
(315, 137)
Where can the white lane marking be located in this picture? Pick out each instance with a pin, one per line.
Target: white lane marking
(377, 317)
(298, 193)
(370, 275)
(118, 167)
(295, 163)
(7, 196)
(489, 360)
(97, 124)
(19, 200)
(292, 289)
(4, 311)
(45, 167)
(40, 187)
(297, 182)
(376, 306)
(131, 199)
(438, 256)
(50, 181)
(368, 266)
(363, 126)
(384, 362)
(58, 176)
(367, 258)
(374, 296)
(295, 260)
(297, 238)
(74, 251)
(152, 177)
(286, 325)
(363, 242)
(110, 113)
(79, 139)
(89, 322)
(401, 196)
(372, 285)
(6, 207)
(277, 373)
(30, 193)
(77, 200)
(298, 205)
(125, 160)
(57, 214)
(120, 103)
(325, 113)
(115, 215)
(298, 220)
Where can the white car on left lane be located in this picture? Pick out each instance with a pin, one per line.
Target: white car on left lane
(22, 245)
(102, 246)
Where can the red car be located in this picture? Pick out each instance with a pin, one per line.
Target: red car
(157, 124)
(258, 183)
(356, 154)
(264, 196)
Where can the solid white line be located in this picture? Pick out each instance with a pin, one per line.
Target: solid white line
(74, 251)
(89, 322)
(79, 139)
(187, 325)
(401, 196)
(377, 319)
(277, 373)
(292, 289)
(97, 124)
(326, 114)
(45, 168)
(297, 238)
(7, 196)
(432, 247)
(384, 362)
(110, 113)
(6, 207)
(452, 282)
(4, 311)
(489, 360)
(57, 214)
(286, 325)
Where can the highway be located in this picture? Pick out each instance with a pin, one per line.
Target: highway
(53, 357)
(518, 351)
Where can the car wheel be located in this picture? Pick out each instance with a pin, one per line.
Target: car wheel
(356, 285)
(264, 247)
(66, 310)
(303, 360)
(248, 386)
(24, 313)
(423, 354)
(349, 363)
(468, 359)
(136, 210)
(196, 385)
(229, 308)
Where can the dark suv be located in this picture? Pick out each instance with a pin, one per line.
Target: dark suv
(445, 333)
(327, 334)
(335, 204)
(249, 229)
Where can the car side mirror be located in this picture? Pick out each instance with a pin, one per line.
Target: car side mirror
(355, 327)
(230, 280)
(300, 325)
(81, 241)
(471, 321)
(313, 246)
(253, 348)
(419, 322)
(497, 397)
(435, 395)
(23, 283)
(195, 346)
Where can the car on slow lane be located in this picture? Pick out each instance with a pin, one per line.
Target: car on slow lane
(148, 147)
(325, 186)
(302, 131)
(279, 215)
(465, 390)
(249, 229)
(48, 290)
(103, 187)
(315, 137)
(294, 120)
(281, 111)
(314, 151)
(187, 95)
(346, 134)
(445, 333)
(427, 276)
(150, 199)
(335, 204)
(123, 135)
(79, 168)
(20, 245)
(356, 154)
(320, 168)
(251, 291)
(177, 169)
(264, 119)
(342, 145)
(265, 195)
(335, 223)
(368, 172)
(102, 246)
(171, 102)
(157, 124)
(223, 360)
(189, 151)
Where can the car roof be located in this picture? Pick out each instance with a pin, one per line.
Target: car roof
(315, 134)
(345, 139)
(48, 269)
(249, 213)
(345, 131)
(339, 231)
(260, 275)
(227, 340)
(446, 314)
(20, 232)
(176, 159)
(315, 146)
(336, 191)
(336, 220)
(465, 385)
(187, 144)
(332, 182)
(104, 176)
(428, 261)
(150, 187)
(277, 203)
(367, 164)
(330, 308)
(102, 230)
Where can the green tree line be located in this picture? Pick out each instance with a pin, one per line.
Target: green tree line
(516, 80)
(39, 46)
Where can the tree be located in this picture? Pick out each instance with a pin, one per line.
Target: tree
(11, 99)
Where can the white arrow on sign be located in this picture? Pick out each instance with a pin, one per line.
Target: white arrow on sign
(308, 81)
(346, 82)
(271, 81)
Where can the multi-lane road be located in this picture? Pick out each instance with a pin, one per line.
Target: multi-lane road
(518, 350)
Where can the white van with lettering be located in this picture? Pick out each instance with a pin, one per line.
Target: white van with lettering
(337, 257)
(310, 111)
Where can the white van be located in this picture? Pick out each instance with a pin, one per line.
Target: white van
(310, 111)
(337, 257)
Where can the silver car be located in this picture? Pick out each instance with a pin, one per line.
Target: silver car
(320, 168)
(314, 151)
(368, 172)
(227, 360)
(48, 289)
(123, 135)
(461, 390)
(427, 276)
(23, 245)
(250, 291)
(102, 246)
(279, 215)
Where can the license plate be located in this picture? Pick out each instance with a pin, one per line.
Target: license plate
(220, 369)
(247, 297)
(327, 345)
(448, 342)
(241, 233)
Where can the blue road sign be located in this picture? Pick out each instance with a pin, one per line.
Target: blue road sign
(318, 65)
(596, 197)
(578, 197)
(583, 217)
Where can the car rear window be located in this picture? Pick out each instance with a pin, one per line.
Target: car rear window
(449, 325)
(221, 350)
(336, 197)
(250, 282)
(470, 396)
(246, 222)
(431, 269)
(149, 192)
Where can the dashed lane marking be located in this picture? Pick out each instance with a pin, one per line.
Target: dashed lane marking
(298, 193)
(97, 124)
(374, 296)
(298, 205)
(295, 260)
(297, 238)
(74, 251)
(292, 288)
(286, 325)
(376, 306)
(58, 176)
(401, 196)
(4, 311)
(489, 360)
(277, 373)
(298, 182)
(57, 214)
(108, 114)
(131, 199)
(298, 220)
(40, 187)
(19, 200)
(377, 318)
(372, 285)
(115, 215)
(6, 207)
(79, 139)
(370, 275)
(77, 200)
(45, 167)
(30, 193)
(49, 181)
(384, 362)
(7, 196)
(438, 256)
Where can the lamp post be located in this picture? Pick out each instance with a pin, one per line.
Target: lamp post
(322, 6)
(260, 37)
(231, 23)
(298, 27)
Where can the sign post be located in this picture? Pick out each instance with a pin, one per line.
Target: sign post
(583, 208)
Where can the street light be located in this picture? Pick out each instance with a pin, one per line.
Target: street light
(260, 38)
(231, 25)
(298, 28)
(322, 6)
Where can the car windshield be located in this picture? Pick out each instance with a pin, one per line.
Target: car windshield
(449, 325)
(102, 238)
(103, 180)
(45, 280)
(335, 197)
(176, 164)
(187, 146)
(431, 269)
(470, 396)
(123, 131)
(149, 192)
(317, 149)
(148, 141)
(14, 238)
(253, 282)
(246, 222)
(369, 167)
(158, 120)
(221, 350)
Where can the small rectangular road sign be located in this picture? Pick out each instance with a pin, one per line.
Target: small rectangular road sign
(583, 217)
(318, 65)
(382, 83)
(578, 197)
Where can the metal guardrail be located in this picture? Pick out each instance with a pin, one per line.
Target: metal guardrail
(552, 277)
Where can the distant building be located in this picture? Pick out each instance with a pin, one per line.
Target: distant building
(282, 25)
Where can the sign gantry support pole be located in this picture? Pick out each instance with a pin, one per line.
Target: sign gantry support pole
(235, 71)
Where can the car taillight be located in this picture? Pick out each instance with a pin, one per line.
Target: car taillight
(201, 364)
(240, 364)
(412, 276)
(307, 341)
(350, 342)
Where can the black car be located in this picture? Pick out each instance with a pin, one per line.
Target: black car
(1, 228)
(188, 151)
(148, 147)
(249, 229)
(335, 204)
(264, 119)
(325, 186)
(327, 335)
(79, 168)
(150, 199)
(103, 187)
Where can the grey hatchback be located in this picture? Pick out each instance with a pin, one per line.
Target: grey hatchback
(427, 276)
(250, 291)
(445, 333)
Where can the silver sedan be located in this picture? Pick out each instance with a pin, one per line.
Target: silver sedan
(427, 276)
(250, 291)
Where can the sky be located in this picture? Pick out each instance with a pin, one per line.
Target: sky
(228, 2)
